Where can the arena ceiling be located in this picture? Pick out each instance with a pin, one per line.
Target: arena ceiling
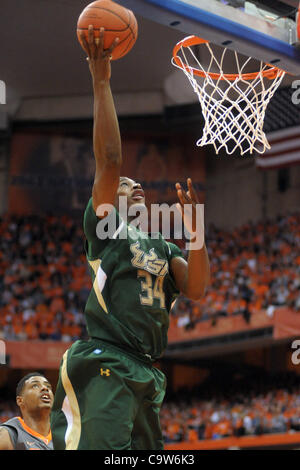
(44, 67)
(41, 57)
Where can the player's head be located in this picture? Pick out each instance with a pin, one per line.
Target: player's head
(132, 191)
(34, 393)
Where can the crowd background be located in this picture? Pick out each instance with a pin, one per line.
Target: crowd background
(221, 407)
(43, 278)
(256, 267)
(45, 283)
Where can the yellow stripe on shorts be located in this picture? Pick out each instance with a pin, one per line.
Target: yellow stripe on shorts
(70, 409)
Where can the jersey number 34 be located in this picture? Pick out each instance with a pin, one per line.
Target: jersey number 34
(151, 290)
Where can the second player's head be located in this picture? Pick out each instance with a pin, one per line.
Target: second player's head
(34, 394)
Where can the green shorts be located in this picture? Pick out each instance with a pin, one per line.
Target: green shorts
(106, 400)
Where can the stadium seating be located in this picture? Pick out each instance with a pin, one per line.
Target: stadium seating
(45, 283)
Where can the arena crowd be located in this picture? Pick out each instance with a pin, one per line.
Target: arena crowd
(254, 405)
(45, 282)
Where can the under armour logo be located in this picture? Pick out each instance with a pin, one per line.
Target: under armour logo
(105, 372)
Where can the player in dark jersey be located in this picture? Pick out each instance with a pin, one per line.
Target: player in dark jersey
(31, 430)
(109, 394)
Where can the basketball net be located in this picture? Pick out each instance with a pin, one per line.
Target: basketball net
(233, 105)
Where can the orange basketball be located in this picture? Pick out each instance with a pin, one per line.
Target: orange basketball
(116, 20)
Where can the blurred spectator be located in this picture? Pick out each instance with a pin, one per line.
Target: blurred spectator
(249, 272)
(45, 283)
(249, 407)
(43, 278)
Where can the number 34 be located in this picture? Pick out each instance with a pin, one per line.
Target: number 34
(150, 291)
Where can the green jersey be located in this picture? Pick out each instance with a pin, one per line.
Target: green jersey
(133, 288)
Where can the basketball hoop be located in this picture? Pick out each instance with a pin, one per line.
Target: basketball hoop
(233, 105)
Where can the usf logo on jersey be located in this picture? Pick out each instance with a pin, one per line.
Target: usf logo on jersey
(148, 262)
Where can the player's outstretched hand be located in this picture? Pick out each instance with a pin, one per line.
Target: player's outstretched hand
(98, 57)
(192, 212)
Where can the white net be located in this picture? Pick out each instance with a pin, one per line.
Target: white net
(233, 106)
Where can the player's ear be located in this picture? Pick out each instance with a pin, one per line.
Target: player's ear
(19, 400)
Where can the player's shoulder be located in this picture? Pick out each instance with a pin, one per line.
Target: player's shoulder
(89, 208)
(11, 422)
(106, 213)
(8, 434)
(5, 440)
(100, 211)
(174, 250)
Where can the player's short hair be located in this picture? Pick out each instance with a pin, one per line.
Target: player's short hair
(21, 383)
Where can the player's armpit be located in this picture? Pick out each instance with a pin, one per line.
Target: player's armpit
(5, 441)
(179, 271)
(105, 187)
(192, 277)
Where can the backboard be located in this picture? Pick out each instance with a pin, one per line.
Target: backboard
(262, 29)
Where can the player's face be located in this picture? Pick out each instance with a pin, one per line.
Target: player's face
(132, 191)
(37, 394)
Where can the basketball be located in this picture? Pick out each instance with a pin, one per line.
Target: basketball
(116, 20)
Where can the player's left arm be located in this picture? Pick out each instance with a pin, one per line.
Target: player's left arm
(193, 276)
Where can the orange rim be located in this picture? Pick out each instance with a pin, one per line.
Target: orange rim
(270, 73)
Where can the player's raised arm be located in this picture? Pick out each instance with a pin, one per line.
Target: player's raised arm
(106, 134)
(192, 277)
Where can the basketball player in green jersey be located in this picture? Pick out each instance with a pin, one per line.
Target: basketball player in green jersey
(109, 394)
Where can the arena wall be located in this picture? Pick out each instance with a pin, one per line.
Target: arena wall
(236, 191)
